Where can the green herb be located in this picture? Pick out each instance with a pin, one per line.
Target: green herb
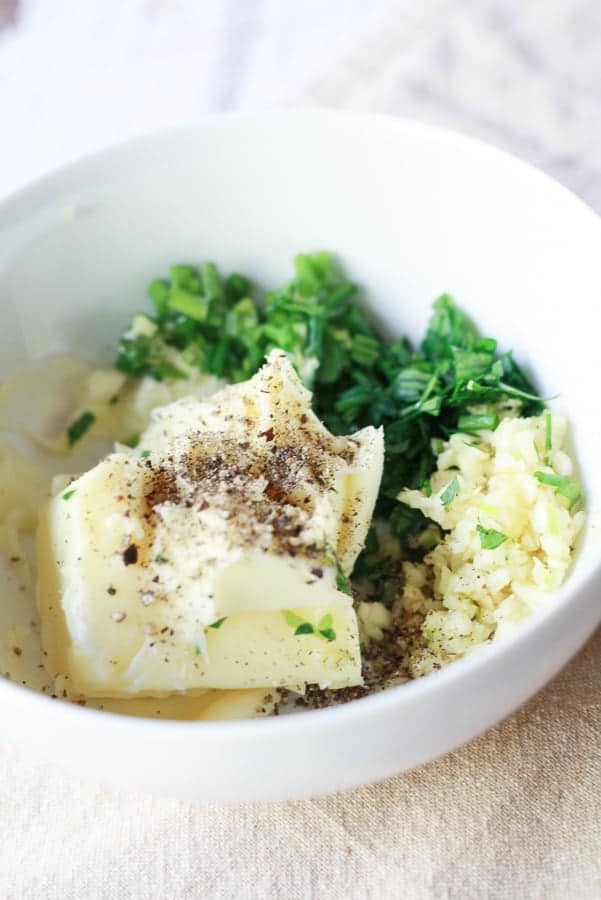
(490, 538)
(450, 492)
(78, 428)
(342, 582)
(420, 396)
(183, 275)
(485, 421)
(198, 649)
(191, 305)
(145, 454)
(237, 286)
(132, 441)
(218, 623)
(548, 436)
(563, 485)
(114, 399)
(159, 558)
(158, 291)
(548, 432)
(325, 627)
(211, 282)
(299, 625)
(68, 494)
(292, 619)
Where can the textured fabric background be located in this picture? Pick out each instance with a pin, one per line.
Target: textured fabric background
(524, 76)
(516, 813)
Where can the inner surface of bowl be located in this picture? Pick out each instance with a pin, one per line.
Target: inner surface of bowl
(411, 212)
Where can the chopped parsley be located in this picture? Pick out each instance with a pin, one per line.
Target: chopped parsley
(78, 428)
(563, 485)
(292, 619)
(490, 538)
(454, 380)
(68, 494)
(323, 629)
(218, 623)
(145, 454)
(450, 492)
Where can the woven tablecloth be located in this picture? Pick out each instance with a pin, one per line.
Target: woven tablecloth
(516, 813)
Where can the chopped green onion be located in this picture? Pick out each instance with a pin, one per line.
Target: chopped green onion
(312, 272)
(68, 494)
(480, 422)
(325, 621)
(158, 291)
(304, 628)
(292, 619)
(325, 627)
(450, 492)
(490, 538)
(211, 282)
(563, 485)
(241, 319)
(192, 305)
(218, 623)
(181, 276)
(342, 582)
(78, 428)
(548, 432)
(548, 436)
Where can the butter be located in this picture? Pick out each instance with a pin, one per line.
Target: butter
(189, 563)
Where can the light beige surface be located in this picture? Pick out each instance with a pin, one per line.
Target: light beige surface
(515, 814)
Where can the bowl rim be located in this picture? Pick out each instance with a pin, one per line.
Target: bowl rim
(392, 698)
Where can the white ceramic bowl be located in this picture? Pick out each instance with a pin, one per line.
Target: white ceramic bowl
(412, 211)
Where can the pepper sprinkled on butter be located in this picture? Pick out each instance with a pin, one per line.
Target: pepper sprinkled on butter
(239, 508)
